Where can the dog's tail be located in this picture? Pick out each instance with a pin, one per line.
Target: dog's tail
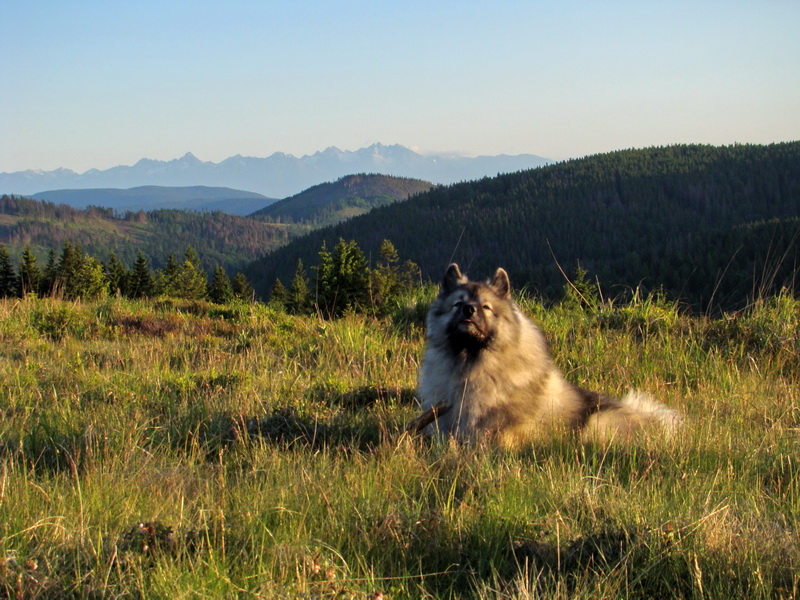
(633, 413)
(642, 404)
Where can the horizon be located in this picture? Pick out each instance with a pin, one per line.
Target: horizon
(94, 86)
(424, 154)
(191, 154)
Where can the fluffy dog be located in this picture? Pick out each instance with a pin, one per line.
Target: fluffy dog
(487, 374)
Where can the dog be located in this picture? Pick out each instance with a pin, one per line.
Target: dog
(487, 374)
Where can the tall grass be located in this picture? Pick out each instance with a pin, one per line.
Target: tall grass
(182, 449)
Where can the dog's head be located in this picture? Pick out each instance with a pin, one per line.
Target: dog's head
(466, 313)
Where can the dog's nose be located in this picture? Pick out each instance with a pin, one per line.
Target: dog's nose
(468, 310)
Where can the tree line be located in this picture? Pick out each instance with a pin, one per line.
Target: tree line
(218, 238)
(73, 274)
(342, 282)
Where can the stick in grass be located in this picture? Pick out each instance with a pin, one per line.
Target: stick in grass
(428, 417)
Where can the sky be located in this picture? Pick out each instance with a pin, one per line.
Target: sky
(95, 84)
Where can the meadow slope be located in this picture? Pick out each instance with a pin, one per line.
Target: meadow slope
(182, 449)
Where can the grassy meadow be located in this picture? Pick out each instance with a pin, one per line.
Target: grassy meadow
(175, 449)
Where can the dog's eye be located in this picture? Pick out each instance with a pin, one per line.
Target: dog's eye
(458, 304)
(487, 307)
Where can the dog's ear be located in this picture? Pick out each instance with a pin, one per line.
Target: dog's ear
(500, 283)
(452, 278)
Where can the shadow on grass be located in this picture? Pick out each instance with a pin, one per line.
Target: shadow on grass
(458, 565)
(54, 445)
(52, 448)
(363, 397)
(359, 427)
(287, 427)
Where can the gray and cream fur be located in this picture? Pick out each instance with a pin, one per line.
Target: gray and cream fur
(487, 374)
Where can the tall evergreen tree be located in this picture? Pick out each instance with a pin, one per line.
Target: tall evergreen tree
(351, 271)
(386, 284)
(279, 296)
(117, 275)
(29, 273)
(192, 280)
(190, 256)
(8, 279)
(168, 280)
(220, 290)
(297, 301)
(141, 279)
(48, 279)
(325, 288)
(242, 290)
(69, 264)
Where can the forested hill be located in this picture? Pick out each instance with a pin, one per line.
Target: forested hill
(219, 239)
(330, 203)
(708, 224)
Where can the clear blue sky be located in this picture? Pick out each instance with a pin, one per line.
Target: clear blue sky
(101, 83)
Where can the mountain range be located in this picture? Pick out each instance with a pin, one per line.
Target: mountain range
(277, 176)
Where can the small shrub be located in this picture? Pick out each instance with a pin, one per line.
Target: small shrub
(56, 320)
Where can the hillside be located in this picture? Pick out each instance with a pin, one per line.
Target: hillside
(350, 196)
(153, 197)
(219, 238)
(709, 225)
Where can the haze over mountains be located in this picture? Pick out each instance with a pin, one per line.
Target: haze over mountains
(154, 197)
(276, 176)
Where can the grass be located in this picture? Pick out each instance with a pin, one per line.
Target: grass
(182, 449)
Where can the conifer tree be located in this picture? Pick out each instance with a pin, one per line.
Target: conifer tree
(297, 301)
(168, 280)
(69, 264)
(386, 283)
(220, 290)
(190, 255)
(117, 275)
(279, 296)
(192, 280)
(242, 290)
(8, 279)
(351, 272)
(325, 282)
(48, 279)
(29, 273)
(141, 280)
(580, 292)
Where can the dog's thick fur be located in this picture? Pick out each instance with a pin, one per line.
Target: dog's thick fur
(487, 374)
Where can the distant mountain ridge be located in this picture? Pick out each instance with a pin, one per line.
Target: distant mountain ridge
(277, 176)
(349, 196)
(153, 197)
